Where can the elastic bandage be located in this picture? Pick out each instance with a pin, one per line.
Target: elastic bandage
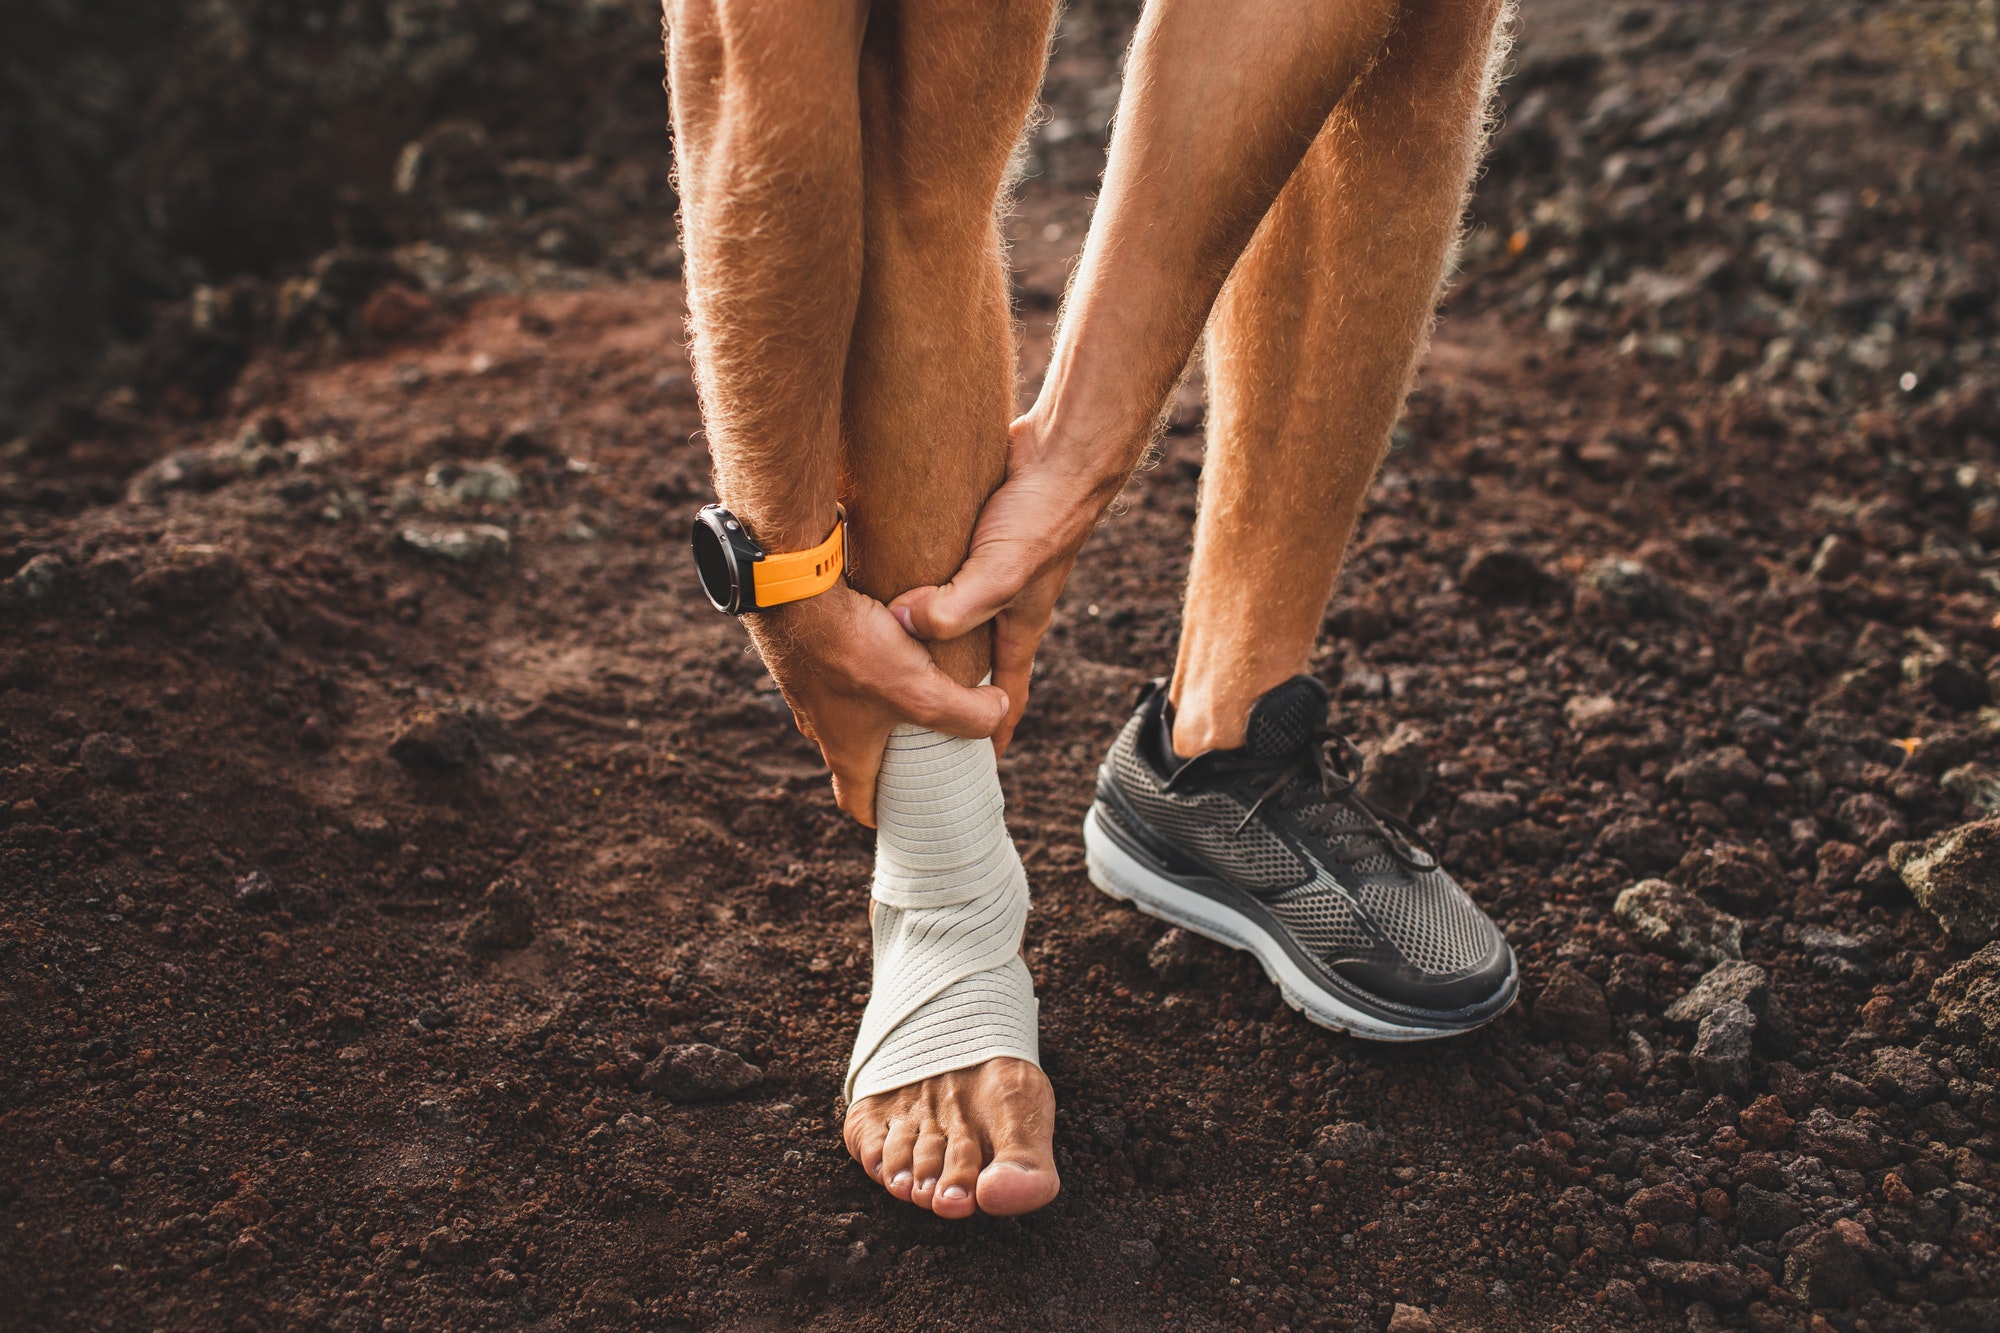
(951, 901)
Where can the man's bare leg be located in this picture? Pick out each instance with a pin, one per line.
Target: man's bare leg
(840, 166)
(946, 86)
(1311, 352)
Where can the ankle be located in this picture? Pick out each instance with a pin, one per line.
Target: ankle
(1204, 722)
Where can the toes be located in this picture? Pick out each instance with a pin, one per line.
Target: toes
(865, 1134)
(1021, 1176)
(897, 1150)
(926, 1160)
(958, 1181)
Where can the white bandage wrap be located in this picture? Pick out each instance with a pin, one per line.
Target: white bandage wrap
(951, 901)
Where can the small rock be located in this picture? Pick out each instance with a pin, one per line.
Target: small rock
(1718, 1284)
(699, 1073)
(1674, 921)
(449, 1245)
(1838, 557)
(255, 892)
(1173, 956)
(1588, 714)
(1662, 1204)
(1743, 879)
(1832, 954)
(1479, 810)
(1573, 1008)
(1360, 620)
(1830, 1265)
(1631, 587)
(1410, 1319)
(1846, 1143)
(470, 484)
(1900, 1074)
(442, 739)
(468, 545)
(1763, 1214)
(1344, 1141)
(1764, 1122)
(1953, 681)
(394, 310)
(1956, 877)
(1968, 1002)
(35, 583)
(187, 577)
(1647, 846)
(109, 759)
(1397, 773)
(1714, 775)
(1721, 1054)
(1870, 821)
(1139, 1253)
(1501, 573)
(505, 920)
(1976, 786)
(1731, 981)
(1837, 863)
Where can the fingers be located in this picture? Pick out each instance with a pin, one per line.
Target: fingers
(991, 577)
(854, 782)
(1013, 666)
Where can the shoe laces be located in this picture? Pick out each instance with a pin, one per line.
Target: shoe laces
(1329, 766)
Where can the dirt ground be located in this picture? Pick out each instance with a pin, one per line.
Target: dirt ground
(378, 795)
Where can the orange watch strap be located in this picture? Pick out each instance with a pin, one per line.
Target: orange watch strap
(796, 575)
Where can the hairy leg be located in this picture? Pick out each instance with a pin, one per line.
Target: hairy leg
(1312, 349)
(946, 86)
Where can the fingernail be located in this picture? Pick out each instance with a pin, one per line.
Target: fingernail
(954, 1192)
(902, 614)
(930, 1183)
(901, 1178)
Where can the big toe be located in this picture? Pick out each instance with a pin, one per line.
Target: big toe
(1017, 1182)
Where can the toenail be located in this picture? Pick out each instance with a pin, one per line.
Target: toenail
(900, 1178)
(929, 1184)
(954, 1191)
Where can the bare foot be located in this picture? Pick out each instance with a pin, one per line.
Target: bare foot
(974, 1139)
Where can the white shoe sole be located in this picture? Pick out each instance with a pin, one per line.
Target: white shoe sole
(1117, 873)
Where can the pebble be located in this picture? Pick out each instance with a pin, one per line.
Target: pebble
(1968, 1002)
(1410, 1319)
(255, 892)
(1476, 811)
(1731, 981)
(1743, 879)
(442, 738)
(1631, 587)
(1572, 1007)
(1901, 1074)
(505, 920)
(1845, 1143)
(1646, 846)
(1714, 775)
(1672, 920)
(36, 582)
(468, 545)
(1976, 786)
(699, 1073)
(1501, 573)
(1763, 1214)
(1172, 957)
(1721, 1054)
(110, 759)
(1764, 1122)
(1397, 773)
(1870, 821)
(1587, 714)
(1345, 1141)
(1830, 1265)
(1955, 876)
(471, 484)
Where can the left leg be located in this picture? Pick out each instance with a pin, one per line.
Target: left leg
(940, 1116)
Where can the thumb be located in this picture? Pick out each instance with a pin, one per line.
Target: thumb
(942, 704)
(983, 586)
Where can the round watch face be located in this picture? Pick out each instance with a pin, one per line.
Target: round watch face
(715, 563)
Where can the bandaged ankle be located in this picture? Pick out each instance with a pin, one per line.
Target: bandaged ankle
(951, 900)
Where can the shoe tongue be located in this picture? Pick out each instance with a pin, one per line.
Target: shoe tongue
(1285, 718)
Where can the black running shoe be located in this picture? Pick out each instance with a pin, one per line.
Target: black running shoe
(1269, 848)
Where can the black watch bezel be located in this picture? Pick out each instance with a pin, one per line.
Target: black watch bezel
(738, 551)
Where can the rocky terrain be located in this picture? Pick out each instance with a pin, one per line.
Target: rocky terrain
(416, 910)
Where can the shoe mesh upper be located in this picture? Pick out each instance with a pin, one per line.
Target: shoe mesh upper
(1424, 916)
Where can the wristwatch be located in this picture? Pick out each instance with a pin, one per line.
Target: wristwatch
(738, 575)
